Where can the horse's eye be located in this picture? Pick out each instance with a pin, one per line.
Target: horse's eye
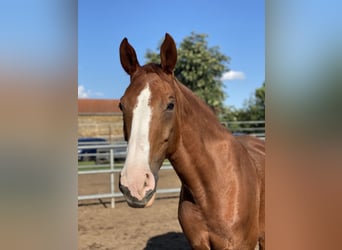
(120, 106)
(170, 106)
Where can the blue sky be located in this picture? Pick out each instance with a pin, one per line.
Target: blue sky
(237, 27)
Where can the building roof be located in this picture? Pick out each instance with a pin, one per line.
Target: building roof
(98, 106)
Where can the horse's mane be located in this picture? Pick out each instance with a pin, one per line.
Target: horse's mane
(200, 112)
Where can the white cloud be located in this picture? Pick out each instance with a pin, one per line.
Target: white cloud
(233, 75)
(87, 93)
(82, 93)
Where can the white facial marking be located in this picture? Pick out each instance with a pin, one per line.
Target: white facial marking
(138, 145)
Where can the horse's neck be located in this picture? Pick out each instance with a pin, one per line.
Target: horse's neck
(199, 133)
(197, 115)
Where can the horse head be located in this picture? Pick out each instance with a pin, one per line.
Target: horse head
(148, 106)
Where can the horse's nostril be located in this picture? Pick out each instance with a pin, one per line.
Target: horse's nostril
(146, 180)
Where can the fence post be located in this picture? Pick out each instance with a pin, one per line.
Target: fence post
(111, 155)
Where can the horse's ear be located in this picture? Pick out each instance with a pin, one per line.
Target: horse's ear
(168, 54)
(128, 57)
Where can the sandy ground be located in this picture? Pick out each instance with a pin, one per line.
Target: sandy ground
(152, 228)
(156, 227)
(124, 228)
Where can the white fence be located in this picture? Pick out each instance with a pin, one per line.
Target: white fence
(107, 152)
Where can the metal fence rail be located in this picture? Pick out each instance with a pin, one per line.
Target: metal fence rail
(254, 128)
(107, 151)
(82, 170)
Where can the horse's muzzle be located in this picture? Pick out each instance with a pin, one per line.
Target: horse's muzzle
(134, 202)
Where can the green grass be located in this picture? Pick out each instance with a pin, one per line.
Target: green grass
(83, 165)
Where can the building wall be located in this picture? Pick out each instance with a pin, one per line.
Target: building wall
(108, 126)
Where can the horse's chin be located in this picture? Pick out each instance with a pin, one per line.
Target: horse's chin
(150, 202)
(141, 204)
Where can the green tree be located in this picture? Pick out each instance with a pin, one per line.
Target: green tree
(254, 110)
(200, 68)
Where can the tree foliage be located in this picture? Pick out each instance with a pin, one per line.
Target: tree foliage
(254, 109)
(200, 68)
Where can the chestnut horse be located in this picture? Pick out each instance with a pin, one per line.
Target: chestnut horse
(221, 203)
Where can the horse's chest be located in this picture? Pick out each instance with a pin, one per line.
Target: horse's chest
(209, 228)
(202, 231)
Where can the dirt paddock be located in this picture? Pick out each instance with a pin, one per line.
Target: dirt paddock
(152, 228)
(101, 227)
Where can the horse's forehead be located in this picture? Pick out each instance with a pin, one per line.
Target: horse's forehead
(133, 90)
(157, 85)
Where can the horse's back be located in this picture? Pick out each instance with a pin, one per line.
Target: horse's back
(255, 148)
(252, 143)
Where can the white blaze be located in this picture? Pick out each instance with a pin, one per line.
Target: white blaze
(138, 145)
